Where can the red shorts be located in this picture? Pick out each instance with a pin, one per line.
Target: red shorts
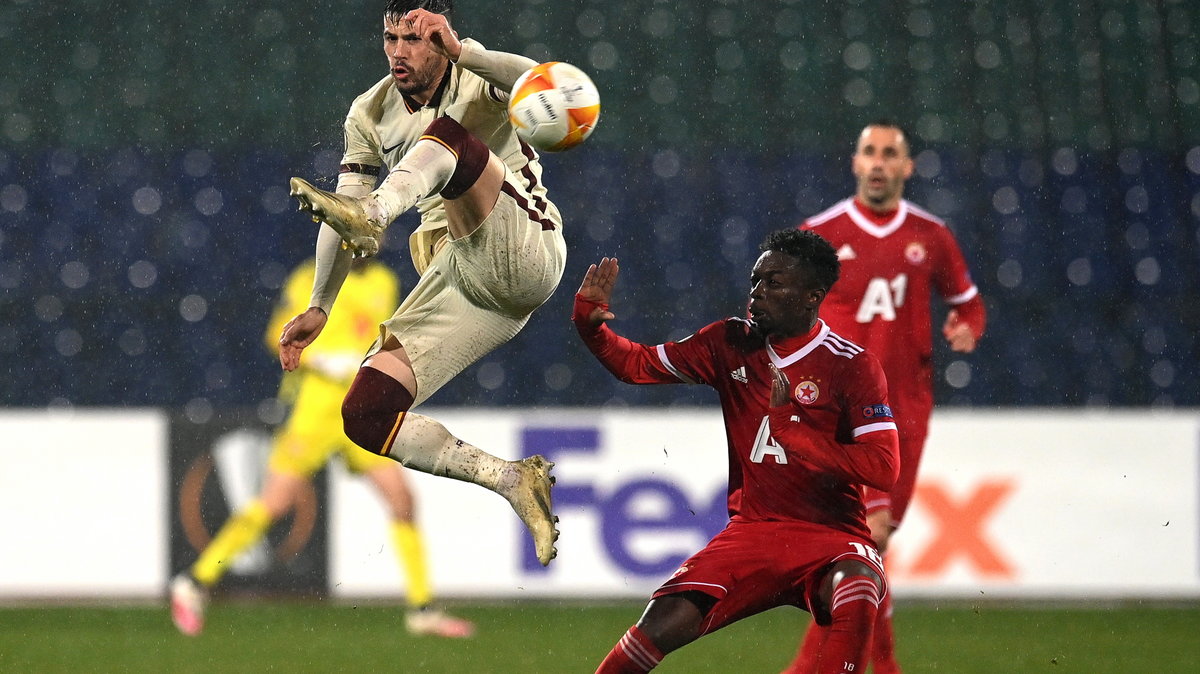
(751, 567)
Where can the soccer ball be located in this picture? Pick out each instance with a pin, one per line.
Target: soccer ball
(554, 106)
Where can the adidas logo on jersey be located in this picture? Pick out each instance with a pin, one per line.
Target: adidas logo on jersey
(739, 374)
(846, 252)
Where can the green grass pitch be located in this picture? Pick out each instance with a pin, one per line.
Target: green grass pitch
(536, 637)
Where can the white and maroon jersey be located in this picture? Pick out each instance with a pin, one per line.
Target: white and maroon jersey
(384, 124)
(890, 267)
(838, 395)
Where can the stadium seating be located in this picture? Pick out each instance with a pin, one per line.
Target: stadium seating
(139, 278)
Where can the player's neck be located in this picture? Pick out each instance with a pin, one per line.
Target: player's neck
(794, 341)
(879, 213)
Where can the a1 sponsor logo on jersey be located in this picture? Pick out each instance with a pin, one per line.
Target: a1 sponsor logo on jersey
(807, 392)
(915, 252)
(873, 411)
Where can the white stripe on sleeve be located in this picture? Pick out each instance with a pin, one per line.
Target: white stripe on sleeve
(666, 362)
(970, 293)
(871, 428)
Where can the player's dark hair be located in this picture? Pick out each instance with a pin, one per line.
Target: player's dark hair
(888, 123)
(812, 252)
(395, 9)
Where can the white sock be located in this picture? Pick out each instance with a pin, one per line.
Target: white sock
(425, 445)
(424, 170)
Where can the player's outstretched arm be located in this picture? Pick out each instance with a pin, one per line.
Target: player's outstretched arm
(629, 361)
(298, 334)
(596, 290)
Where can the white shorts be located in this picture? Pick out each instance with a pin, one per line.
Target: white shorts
(479, 291)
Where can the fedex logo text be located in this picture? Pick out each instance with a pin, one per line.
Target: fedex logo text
(617, 508)
(959, 531)
(950, 529)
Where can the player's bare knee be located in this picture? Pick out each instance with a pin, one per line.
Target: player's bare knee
(674, 620)
(848, 568)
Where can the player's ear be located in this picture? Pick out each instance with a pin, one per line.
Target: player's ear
(816, 296)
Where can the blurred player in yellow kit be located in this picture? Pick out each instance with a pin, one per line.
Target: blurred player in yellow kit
(310, 437)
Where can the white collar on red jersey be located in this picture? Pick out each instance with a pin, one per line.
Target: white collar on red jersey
(802, 351)
(878, 231)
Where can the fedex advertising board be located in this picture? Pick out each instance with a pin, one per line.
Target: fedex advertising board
(1009, 504)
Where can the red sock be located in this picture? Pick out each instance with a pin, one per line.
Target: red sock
(883, 643)
(633, 654)
(854, 605)
(810, 650)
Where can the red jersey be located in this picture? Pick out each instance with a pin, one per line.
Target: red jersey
(801, 461)
(890, 267)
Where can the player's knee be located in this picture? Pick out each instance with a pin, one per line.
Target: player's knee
(846, 569)
(847, 582)
(472, 154)
(674, 620)
(373, 410)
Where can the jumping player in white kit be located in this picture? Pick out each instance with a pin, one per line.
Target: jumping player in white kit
(489, 249)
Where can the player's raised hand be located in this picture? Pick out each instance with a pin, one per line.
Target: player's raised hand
(597, 288)
(299, 333)
(435, 29)
(780, 387)
(958, 334)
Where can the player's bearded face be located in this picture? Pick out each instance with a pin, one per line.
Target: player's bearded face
(416, 69)
(881, 165)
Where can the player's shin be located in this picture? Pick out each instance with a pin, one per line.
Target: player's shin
(810, 650)
(376, 417)
(883, 641)
(423, 171)
(447, 160)
(425, 445)
(239, 532)
(410, 548)
(633, 654)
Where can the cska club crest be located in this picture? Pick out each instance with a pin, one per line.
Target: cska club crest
(915, 252)
(807, 392)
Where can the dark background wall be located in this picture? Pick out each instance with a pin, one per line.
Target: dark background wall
(145, 149)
